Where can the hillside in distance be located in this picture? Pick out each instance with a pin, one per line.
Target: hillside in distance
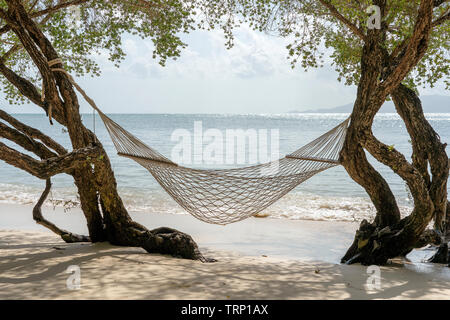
(431, 104)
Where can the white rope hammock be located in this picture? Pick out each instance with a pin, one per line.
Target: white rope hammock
(228, 195)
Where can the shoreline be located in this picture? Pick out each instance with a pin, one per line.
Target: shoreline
(259, 258)
(284, 239)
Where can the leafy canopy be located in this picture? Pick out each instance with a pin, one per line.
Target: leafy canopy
(79, 32)
(86, 28)
(319, 36)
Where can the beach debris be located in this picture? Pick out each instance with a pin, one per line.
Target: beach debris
(58, 248)
(317, 270)
(263, 255)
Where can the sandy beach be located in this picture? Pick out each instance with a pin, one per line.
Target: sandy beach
(257, 259)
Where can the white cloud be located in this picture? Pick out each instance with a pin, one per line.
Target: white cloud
(253, 55)
(253, 77)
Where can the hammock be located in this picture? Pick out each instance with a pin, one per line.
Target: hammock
(227, 195)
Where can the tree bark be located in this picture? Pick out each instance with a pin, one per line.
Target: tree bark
(428, 150)
(39, 218)
(381, 75)
(106, 216)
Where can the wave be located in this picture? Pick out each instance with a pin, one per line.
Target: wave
(293, 206)
(305, 206)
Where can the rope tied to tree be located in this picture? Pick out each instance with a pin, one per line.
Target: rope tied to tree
(223, 196)
(56, 61)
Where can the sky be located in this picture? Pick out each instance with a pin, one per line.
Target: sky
(252, 77)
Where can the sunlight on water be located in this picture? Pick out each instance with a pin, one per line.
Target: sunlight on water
(330, 195)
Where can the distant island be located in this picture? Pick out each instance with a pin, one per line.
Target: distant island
(431, 104)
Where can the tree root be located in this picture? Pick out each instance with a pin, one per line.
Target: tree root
(442, 255)
(364, 232)
(39, 218)
(373, 245)
(161, 240)
(429, 236)
(178, 244)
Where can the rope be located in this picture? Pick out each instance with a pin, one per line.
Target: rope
(93, 119)
(71, 79)
(53, 62)
(227, 195)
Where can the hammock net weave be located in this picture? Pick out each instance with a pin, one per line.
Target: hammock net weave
(230, 195)
(227, 195)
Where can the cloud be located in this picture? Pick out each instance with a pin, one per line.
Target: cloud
(253, 55)
(252, 77)
(140, 70)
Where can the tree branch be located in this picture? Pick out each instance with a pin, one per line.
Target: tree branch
(399, 49)
(429, 155)
(343, 19)
(39, 218)
(28, 90)
(57, 7)
(25, 87)
(41, 50)
(56, 80)
(48, 10)
(33, 133)
(414, 51)
(437, 3)
(20, 24)
(441, 19)
(47, 168)
(25, 142)
(390, 157)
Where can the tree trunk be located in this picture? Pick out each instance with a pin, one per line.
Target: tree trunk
(388, 236)
(428, 150)
(106, 216)
(376, 243)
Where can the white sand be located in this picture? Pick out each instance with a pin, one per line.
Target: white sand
(301, 263)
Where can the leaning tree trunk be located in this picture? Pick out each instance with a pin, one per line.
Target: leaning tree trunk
(428, 153)
(388, 236)
(354, 159)
(374, 242)
(103, 208)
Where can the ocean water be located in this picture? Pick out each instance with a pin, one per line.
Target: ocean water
(330, 195)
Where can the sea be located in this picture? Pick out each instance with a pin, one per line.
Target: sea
(189, 138)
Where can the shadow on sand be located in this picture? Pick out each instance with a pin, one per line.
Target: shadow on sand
(33, 266)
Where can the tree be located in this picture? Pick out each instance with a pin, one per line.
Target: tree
(409, 49)
(34, 32)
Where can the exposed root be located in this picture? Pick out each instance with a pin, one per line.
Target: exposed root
(67, 236)
(161, 240)
(178, 244)
(373, 245)
(442, 255)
